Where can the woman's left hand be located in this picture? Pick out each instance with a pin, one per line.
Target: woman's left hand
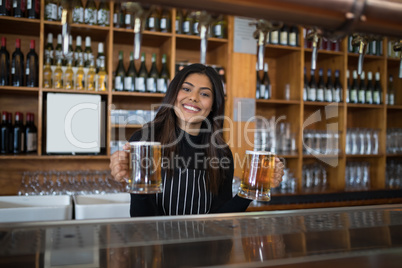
(278, 173)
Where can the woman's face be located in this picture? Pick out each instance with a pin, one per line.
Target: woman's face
(194, 102)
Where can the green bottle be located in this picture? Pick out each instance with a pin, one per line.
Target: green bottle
(120, 74)
(103, 14)
(90, 13)
(141, 79)
(153, 76)
(164, 76)
(78, 12)
(129, 80)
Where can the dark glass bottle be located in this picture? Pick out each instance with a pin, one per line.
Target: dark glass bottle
(4, 64)
(141, 80)
(293, 36)
(329, 87)
(33, 7)
(129, 79)
(78, 12)
(354, 88)
(164, 77)
(120, 73)
(19, 8)
(118, 16)
(321, 85)
(312, 92)
(6, 132)
(153, 76)
(305, 85)
(337, 91)
(258, 83)
(31, 134)
(179, 21)
(165, 21)
(347, 95)
(284, 33)
(362, 89)
(187, 23)
(17, 65)
(103, 17)
(153, 21)
(267, 84)
(90, 13)
(370, 88)
(18, 133)
(32, 70)
(377, 94)
(5, 8)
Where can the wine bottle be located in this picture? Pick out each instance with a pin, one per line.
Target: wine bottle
(11, 133)
(305, 86)
(337, 92)
(274, 37)
(391, 91)
(58, 52)
(293, 36)
(219, 29)
(33, 7)
(118, 18)
(6, 133)
(79, 83)
(354, 88)
(152, 75)
(129, 79)
(59, 9)
(187, 27)
(78, 12)
(141, 79)
(103, 14)
(88, 56)
(312, 93)
(128, 19)
(32, 69)
(120, 73)
(31, 134)
(329, 87)
(78, 54)
(50, 10)
(165, 21)
(90, 13)
(267, 84)
(69, 75)
(321, 85)
(19, 8)
(47, 73)
(58, 75)
(100, 57)
(283, 38)
(370, 88)
(90, 83)
(5, 8)
(362, 89)
(259, 84)
(347, 86)
(17, 65)
(153, 21)
(164, 76)
(70, 54)
(101, 81)
(179, 21)
(377, 94)
(4, 64)
(49, 48)
(18, 134)
(195, 23)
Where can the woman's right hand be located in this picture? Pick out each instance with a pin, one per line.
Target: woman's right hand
(119, 164)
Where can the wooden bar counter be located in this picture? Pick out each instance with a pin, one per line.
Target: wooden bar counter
(369, 236)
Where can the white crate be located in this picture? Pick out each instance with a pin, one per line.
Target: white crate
(102, 206)
(35, 208)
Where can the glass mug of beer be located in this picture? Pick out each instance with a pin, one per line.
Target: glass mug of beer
(257, 173)
(144, 168)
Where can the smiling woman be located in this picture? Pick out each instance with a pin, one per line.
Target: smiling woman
(197, 164)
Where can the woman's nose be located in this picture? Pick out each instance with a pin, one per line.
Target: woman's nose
(194, 97)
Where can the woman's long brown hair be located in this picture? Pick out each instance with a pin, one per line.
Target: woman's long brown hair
(163, 127)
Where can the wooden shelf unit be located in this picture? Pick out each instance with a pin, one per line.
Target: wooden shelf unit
(286, 67)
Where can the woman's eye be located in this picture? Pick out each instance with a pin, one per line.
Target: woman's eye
(205, 94)
(186, 89)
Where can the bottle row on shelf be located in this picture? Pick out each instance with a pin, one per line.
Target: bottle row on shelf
(91, 14)
(287, 35)
(324, 44)
(17, 137)
(364, 92)
(18, 72)
(321, 91)
(374, 46)
(264, 87)
(152, 81)
(20, 8)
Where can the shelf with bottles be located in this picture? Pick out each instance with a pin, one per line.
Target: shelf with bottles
(364, 174)
(20, 9)
(393, 85)
(374, 48)
(320, 176)
(274, 81)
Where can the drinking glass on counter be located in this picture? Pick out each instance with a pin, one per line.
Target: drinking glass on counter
(257, 173)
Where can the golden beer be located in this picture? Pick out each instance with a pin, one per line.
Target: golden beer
(257, 173)
(145, 168)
